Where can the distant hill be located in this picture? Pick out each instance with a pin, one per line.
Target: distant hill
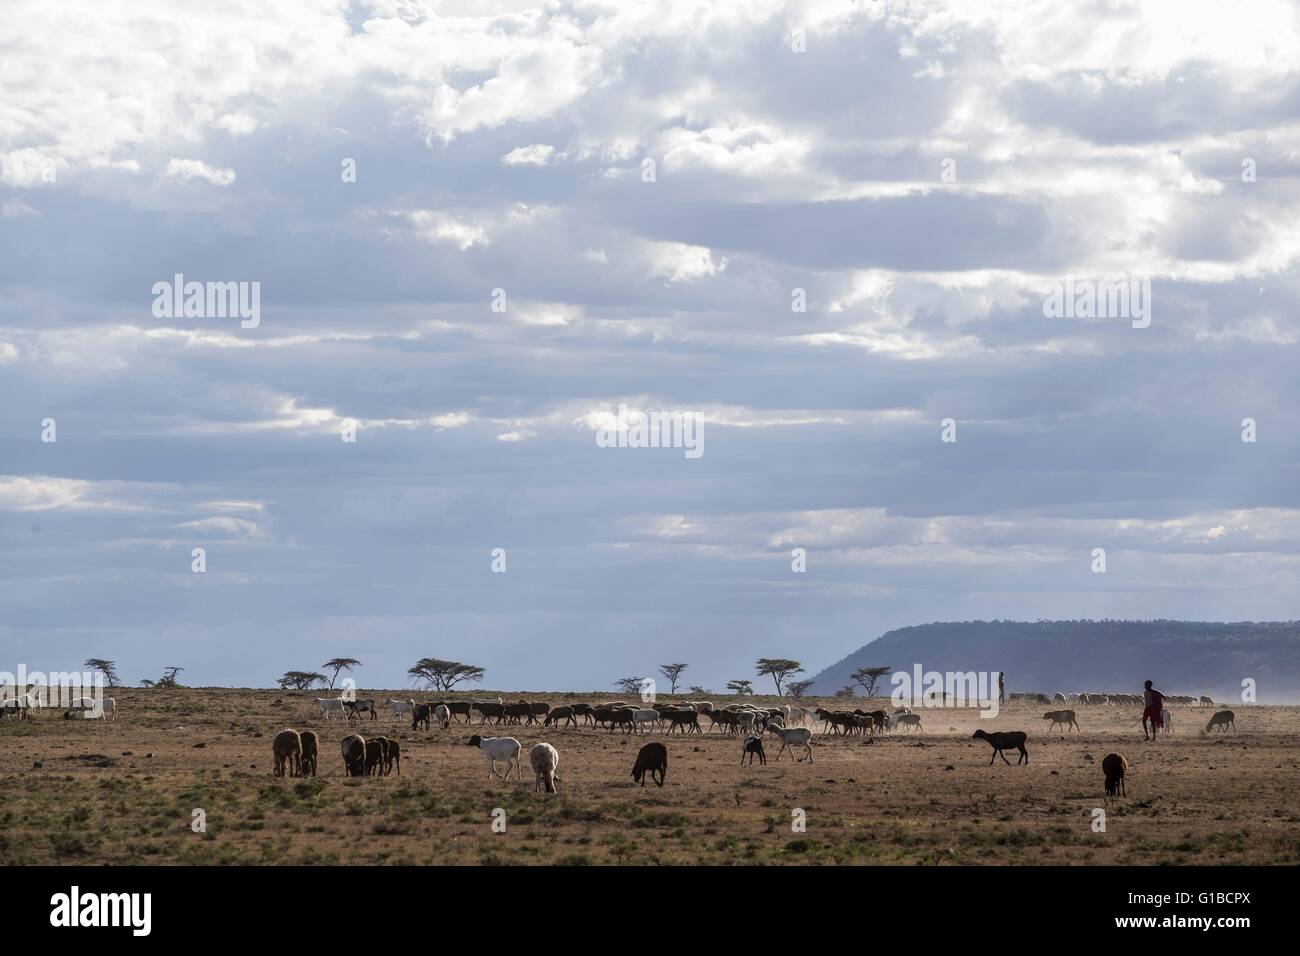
(1182, 657)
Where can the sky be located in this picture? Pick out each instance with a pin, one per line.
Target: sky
(646, 191)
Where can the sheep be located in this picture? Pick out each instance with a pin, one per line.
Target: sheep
(287, 748)
(354, 755)
(456, 707)
(584, 711)
(544, 759)
(375, 750)
(329, 705)
(442, 714)
(1166, 720)
(310, 751)
(392, 757)
(652, 759)
(794, 737)
(1222, 720)
(1114, 766)
(1061, 717)
(489, 709)
(1206, 701)
(355, 708)
(558, 714)
(539, 709)
(92, 709)
(752, 746)
(498, 748)
(624, 716)
(1004, 740)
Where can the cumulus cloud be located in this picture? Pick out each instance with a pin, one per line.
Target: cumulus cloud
(840, 249)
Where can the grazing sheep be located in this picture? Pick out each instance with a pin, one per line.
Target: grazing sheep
(1064, 718)
(1206, 702)
(1223, 719)
(544, 759)
(354, 755)
(753, 746)
(442, 714)
(1114, 766)
(498, 748)
(375, 749)
(794, 737)
(1004, 741)
(310, 751)
(557, 715)
(287, 748)
(651, 759)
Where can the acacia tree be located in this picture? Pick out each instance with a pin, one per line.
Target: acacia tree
(743, 687)
(629, 685)
(337, 664)
(778, 668)
(796, 688)
(300, 680)
(107, 668)
(444, 675)
(866, 677)
(674, 673)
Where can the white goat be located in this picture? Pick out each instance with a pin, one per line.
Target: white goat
(498, 748)
(544, 759)
(442, 714)
(644, 716)
(793, 737)
(400, 707)
(330, 705)
(905, 720)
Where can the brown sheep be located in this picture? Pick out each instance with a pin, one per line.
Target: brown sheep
(354, 755)
(1064, 718)
(557, 714)
(652, 759)
(310, 751)
(287, 748)
(421, 715)
(1114, 766)
(1222, 720)
(1005, 740)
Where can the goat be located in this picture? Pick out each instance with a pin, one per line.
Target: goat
(1004, 740)
(688, 720)
(400, 707)
(498, 748)
(905, 720)
(644, 715)
(392, 756)
(1061, 717)
(753, 745)
(355, 708)
(329, 705)
(92, 709)
(442, 714)
(652, 759)
(287, 750)
(1114, 766)
(1223, 719)
(422, 715)
(544, 759)
(794, 737)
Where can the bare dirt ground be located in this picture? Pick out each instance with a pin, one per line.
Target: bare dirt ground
(77, 791)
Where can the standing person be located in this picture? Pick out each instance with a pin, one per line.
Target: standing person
(1153, 702)
(1002, 687)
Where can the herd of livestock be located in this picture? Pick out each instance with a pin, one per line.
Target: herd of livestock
(792, 725)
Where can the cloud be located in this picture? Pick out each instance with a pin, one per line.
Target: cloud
(189, 169)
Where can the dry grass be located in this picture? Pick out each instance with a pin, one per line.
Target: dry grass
(123, 792)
